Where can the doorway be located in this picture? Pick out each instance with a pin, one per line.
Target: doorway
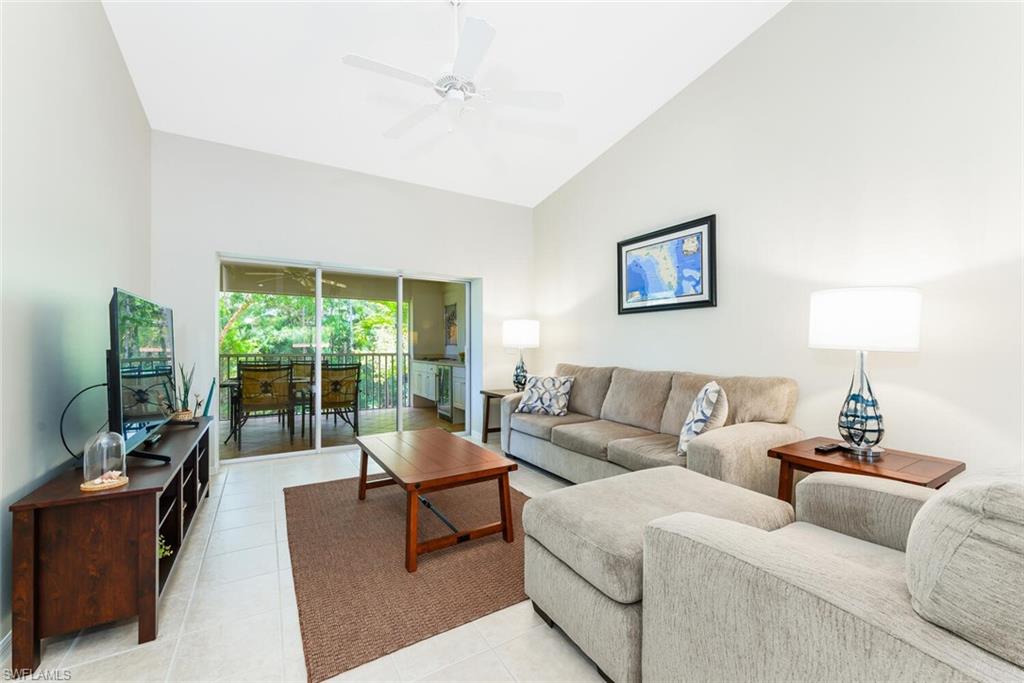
(310, 357)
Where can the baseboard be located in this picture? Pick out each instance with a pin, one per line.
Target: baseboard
(5, 650)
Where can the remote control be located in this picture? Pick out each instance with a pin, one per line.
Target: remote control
(828, 448)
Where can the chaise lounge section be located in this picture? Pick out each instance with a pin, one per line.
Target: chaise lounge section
(585, 554)
(622, 420)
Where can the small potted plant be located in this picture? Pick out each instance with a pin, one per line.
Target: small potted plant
(178, 395)
(163, 549)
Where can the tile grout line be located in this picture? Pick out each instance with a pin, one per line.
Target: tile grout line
(192, 592)
(475, 628)
(277, 577)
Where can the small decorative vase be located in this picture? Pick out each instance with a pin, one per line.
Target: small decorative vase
(103, 463)
(860, 420)
(519, 375)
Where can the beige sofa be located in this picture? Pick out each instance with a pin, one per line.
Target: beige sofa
(876, 580)
(622, 420)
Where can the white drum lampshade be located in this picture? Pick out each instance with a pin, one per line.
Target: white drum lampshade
(864, 319)
(520, 334)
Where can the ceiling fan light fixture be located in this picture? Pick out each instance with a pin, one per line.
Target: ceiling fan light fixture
(455, 86)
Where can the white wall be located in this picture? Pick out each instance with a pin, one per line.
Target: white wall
(210, 198)
(840, 145)
(75, 223)
(427, 313)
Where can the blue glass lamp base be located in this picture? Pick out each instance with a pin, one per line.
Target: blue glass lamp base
(519, 375)
(860, 419)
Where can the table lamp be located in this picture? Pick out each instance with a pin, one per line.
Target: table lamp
(864, 319)
(520, 334)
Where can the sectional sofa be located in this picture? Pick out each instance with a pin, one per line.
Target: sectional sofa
(876, 580)
(622, 420)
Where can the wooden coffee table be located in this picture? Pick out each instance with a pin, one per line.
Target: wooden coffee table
(912, 468)
(428, 460)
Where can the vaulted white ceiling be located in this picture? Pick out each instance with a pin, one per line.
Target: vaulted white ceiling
(269, 77)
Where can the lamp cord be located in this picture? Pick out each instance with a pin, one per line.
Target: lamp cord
(64, 412)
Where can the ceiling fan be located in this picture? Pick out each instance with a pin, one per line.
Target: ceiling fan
(298, 275)
(455, 86)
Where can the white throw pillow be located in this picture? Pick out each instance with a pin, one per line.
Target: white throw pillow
(546, 395)
(708, 412)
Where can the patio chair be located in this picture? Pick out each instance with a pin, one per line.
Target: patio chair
(264, 387)
(302, 380)
(341, 393)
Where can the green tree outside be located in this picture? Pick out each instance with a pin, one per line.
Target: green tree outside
(284, 325)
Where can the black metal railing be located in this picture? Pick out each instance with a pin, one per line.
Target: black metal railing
(378, 375)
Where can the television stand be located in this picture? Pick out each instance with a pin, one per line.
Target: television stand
(82, 559)
(146, 455)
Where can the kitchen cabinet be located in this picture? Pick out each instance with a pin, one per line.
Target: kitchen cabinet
(459, 388)
(424, 380)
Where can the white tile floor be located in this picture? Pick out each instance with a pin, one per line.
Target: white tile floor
(229, 611)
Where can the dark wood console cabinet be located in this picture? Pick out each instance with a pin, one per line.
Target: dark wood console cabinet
(83, 559)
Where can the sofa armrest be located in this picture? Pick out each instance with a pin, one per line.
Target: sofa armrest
(728, 602)
(738, 454)
(508, 406)
(872, 509)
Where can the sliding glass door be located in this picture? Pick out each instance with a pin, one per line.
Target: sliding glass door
(267, 320)
(310, 358)
(360, 369)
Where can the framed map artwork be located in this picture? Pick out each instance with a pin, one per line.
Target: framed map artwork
(451, 325)
(669, 268)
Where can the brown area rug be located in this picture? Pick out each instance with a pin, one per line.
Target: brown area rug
(357, 602)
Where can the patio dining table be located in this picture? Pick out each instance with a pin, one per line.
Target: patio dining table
(298, 384)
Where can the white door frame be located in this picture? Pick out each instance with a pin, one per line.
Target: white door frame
(399, 355)
(319, 267)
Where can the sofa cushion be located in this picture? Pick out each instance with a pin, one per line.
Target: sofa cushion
(760, 399)
(540, 425)
(589, 388)
(643, 452)
(597, 528)
(685, 387)
(751, 399)
(965, 561)
(592, 438)
(637, 398)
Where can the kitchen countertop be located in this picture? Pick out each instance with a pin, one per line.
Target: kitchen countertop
(441, 361)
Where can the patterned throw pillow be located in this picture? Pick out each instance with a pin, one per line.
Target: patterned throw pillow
(708, 412)
(546, 395)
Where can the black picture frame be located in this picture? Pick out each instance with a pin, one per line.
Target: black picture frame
(708, 298)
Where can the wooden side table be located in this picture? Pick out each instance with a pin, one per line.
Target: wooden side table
(489, 394)
(913, 468)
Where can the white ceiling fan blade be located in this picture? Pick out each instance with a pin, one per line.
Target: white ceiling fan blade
(411, 121)
(386, 70)
(474, 41)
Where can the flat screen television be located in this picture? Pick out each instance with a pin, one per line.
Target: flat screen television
(140, 367)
